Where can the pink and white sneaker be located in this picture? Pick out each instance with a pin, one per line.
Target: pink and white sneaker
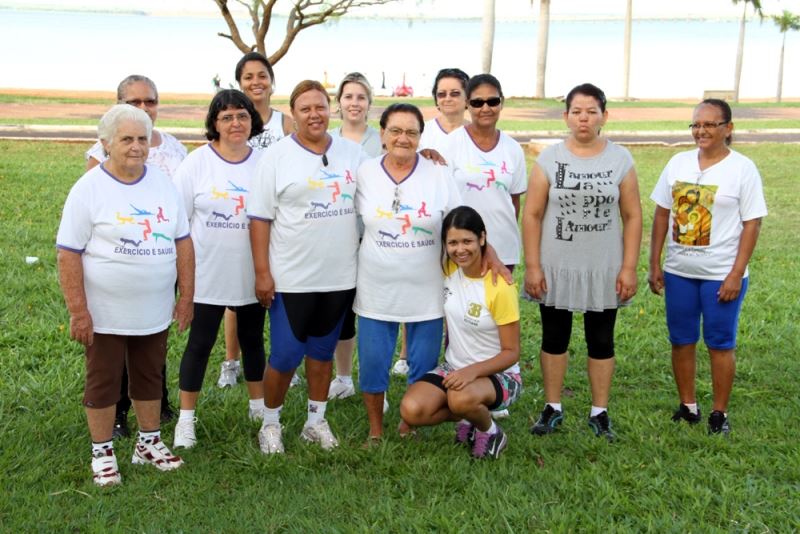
(154, 452)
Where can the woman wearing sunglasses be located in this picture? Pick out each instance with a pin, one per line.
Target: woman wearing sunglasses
(450, 97)
(710, 203)
(582, 227)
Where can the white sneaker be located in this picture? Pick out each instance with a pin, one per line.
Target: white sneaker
(340, 389)
(257, 414)
(296, 380)
(400, 368)
(270, 439)
(229, 373)
(156, 454)
(500, 414)
(105, 469)
(184, 434)
(320, 433)
(385, 405)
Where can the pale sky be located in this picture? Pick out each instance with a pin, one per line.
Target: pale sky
(514, 9)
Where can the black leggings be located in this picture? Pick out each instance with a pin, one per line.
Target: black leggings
(203, 335)
(598, 326)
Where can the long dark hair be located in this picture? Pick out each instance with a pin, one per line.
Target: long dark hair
(463, 218)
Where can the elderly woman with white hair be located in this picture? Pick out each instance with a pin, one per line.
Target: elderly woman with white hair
(122, 243)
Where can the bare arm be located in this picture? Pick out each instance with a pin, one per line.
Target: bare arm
(259, 244)
(184, 308)
(532, 216)
(732, 285)
(630, 209)
(658, 235)
(508, 356)
(70, 276)
(515, 203)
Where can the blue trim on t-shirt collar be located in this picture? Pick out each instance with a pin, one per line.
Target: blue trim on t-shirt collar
(139, 179)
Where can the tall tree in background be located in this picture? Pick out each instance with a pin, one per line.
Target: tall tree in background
(785, 22)
(541, 52)
(627, 53)
(740, 50)
(303, 14)
(487, 49)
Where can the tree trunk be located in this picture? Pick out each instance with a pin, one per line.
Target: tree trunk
(541, 59)
(780, 69)
(627, 54)
(739, 56)
(488, 36)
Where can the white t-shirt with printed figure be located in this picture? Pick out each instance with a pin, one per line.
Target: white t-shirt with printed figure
(167, 156)
(707, 209)
(474, 308)
(270, 134)
(433, 136)
(126, 234)
(486, 181)
(214, 193)
(399, 273)
(313, 235)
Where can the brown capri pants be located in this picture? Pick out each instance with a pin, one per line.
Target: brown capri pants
(105, 359)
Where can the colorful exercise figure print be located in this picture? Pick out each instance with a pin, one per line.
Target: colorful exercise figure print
(691, 213)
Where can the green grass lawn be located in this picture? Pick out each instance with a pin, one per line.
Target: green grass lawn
(658, 476)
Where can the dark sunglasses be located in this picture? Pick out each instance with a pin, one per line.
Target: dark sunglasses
(479, 102)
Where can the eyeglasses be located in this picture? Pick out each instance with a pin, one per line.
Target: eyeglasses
(396, 201)
(228, 119)
(149, 102)
(397, 132)
(706, 125)
(453, 94)
(479, 102)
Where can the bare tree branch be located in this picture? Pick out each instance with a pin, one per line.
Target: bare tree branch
(304, 14)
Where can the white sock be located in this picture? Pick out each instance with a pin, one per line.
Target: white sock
(692, 408)
(596, 410)
(149, 437)
(257, 404)
(347, 379)
(186, 415)
(555, 405)
(102, 447)
(272, 416)
(316, 411)
(491, 430)
(464, 422)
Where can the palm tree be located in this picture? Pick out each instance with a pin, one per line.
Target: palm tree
(740, 50)
(627, 54)
(488, 35)
(541, 54)
(786, 21)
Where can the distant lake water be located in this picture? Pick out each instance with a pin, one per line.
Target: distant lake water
(670, 59)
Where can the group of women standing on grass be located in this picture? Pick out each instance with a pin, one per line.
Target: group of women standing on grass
(273, 208)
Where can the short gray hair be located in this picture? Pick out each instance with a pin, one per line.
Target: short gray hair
(133, 78)
(119, 113)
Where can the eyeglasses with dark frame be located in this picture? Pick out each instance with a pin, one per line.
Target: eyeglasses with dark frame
(242, 116)
(137, 102)
(455, 93)
(479, 102)
(707, 126)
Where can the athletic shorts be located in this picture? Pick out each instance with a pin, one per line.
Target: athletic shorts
(687, 299)
(507, 386)
(306, 324)
(106, 358)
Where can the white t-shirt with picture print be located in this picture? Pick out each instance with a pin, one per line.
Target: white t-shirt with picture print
(486, 181)
(167, 156)
(126, 234)
(399, 273)
(313, 235)
(707, 209)
(214, 193)
(474, 308)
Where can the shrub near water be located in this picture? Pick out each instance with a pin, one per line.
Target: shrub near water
(658, 475)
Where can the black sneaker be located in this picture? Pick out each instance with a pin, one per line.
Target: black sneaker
(718, 423)
(601, 426)
(485, 445)
(167, 413)
(549, 420)
(121, 429)
(683, 413)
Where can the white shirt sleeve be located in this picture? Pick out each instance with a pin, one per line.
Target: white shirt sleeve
(75, 229)
(751, 198)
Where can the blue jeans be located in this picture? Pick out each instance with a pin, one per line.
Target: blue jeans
(376, 342)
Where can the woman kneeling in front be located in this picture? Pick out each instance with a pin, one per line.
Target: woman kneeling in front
(481, 370)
